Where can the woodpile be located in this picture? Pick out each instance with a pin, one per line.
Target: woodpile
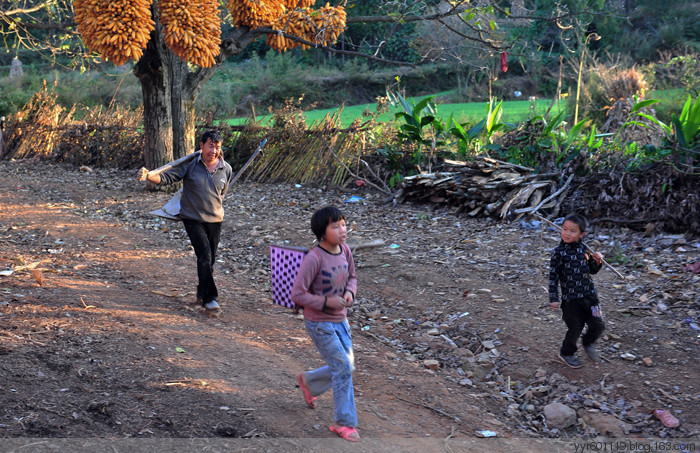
(487, 187)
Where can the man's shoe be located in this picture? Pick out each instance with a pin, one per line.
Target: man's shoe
(592, 353)
(212, 305)
(570, 360)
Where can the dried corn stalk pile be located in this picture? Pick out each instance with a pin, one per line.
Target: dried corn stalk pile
(487, 187)
(323, 154)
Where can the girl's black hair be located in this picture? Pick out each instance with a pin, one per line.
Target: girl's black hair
(578, 220)
(324, 217)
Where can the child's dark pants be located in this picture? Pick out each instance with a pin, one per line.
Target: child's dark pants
(576, 314)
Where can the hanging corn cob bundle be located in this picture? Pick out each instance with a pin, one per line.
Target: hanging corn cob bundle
(330, 23)
(116, 29)
(255, 13)
(192, 29)
(321, 26)
(293, 4)
(296, 22)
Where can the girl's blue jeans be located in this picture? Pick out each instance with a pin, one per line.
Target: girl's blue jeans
(332, 339)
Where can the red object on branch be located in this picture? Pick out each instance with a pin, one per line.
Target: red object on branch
(504, 62)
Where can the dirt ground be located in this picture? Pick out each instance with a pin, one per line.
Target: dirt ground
(99, 336)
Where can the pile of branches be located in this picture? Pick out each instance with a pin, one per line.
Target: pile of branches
(658, 197)
(641, 131)
(488, 187)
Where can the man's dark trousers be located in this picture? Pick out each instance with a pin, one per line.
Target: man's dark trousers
(204, 238)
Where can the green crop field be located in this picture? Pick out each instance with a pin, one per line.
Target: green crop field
(513, 112)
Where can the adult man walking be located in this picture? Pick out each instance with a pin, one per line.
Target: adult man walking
(205, 181)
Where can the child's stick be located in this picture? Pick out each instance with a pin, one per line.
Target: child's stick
(584, 244)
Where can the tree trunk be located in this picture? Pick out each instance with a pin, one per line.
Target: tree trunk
(183, 110)
(170, 89)
(156, 86)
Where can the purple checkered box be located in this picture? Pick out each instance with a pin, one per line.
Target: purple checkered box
(285, 262)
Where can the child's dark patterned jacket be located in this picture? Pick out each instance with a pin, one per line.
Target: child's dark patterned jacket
(570, 267)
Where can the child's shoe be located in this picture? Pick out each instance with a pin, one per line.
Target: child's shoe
(592, 353)
(666, 418)
(570, 360)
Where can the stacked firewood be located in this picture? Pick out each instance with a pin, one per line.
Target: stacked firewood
(487, 187)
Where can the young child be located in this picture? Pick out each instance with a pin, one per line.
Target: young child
(325, 286)
(571, 267)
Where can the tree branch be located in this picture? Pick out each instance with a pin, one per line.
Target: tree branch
(472, 38)
(270, 31)
(558, 17)
(401, 19)
(6, 16)
(14, 12)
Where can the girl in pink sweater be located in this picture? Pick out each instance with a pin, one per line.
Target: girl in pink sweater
(325, 287)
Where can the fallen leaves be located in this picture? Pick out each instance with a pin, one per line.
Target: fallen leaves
(38, 276)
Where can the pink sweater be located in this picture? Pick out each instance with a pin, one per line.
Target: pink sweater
(322, 275)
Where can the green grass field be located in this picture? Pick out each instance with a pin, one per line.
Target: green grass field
(513, 112)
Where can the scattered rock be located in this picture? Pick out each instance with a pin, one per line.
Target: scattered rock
(488, 344)
(431, 364)
(559, 416)
(607, 425)
(478, 371)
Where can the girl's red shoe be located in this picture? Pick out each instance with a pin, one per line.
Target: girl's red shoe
(666, 418)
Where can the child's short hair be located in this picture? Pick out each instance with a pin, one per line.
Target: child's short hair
(578, 220)
(213, 135)
(324, 217)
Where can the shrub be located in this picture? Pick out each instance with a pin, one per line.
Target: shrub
(606, 84)
(679, 71)
(105, 137)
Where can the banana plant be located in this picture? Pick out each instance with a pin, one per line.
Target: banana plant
(421, 125)
(492, 122)
(573, 135)
(487, 127)
(637, 112)
(686, 126)
(464, 136)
